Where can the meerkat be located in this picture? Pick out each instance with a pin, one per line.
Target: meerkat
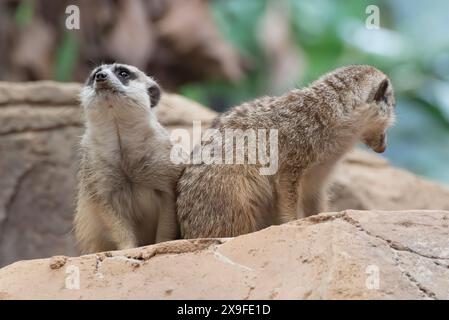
(127, 183)
(316, 126)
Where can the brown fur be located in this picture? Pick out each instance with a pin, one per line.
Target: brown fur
(317, 126)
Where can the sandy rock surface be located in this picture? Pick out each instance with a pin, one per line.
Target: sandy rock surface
(346, 255)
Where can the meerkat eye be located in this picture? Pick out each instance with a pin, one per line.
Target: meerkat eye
(124, 74)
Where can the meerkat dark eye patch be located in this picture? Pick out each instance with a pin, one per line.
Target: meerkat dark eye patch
(124, 74)
(155, 95)
(381, 91)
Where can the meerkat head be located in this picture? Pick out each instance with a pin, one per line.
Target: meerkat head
(381, 106)
(119, 86)
(367, 93)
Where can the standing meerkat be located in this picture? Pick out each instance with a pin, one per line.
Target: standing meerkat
(127, 182)
(316, 126)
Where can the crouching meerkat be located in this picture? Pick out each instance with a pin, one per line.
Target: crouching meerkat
(316, 126)
(127, 182)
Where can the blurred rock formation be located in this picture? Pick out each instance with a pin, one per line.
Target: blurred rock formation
(176, 41)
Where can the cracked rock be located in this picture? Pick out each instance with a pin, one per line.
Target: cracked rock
(345, 255)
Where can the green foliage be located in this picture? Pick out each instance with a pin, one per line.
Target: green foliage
(66, 57)
(24, 13)
(412, 46)
(238, 20)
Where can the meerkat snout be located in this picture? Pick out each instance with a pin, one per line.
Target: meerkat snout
(377, 142)
(101, 76)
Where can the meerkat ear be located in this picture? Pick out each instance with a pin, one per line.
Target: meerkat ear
(381, 90)
(155, 95)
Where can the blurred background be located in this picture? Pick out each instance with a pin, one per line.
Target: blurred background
(223, 52)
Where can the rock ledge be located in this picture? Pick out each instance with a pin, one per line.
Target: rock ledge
(345, 255)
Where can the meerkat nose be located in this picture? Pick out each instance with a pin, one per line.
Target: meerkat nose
(381, 148)
(101, 76)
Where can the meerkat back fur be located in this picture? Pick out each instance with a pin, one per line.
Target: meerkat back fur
(316, 126)
(127, 182)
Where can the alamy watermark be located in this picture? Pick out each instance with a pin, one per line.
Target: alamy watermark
(372, 22)
(72, 281)
(228, 146)
(372, 282)
(72, 22)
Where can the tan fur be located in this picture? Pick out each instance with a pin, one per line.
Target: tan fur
(127, 182)
(317, 126)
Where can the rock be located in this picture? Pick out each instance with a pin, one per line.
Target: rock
(176, 110)
(42, 92)
(40, 126)
(345, 255)
(366, 181)
(57, 262)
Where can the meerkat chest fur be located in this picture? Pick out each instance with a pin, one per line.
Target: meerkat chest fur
(127, 180)
(124, 137)
(128, 154)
